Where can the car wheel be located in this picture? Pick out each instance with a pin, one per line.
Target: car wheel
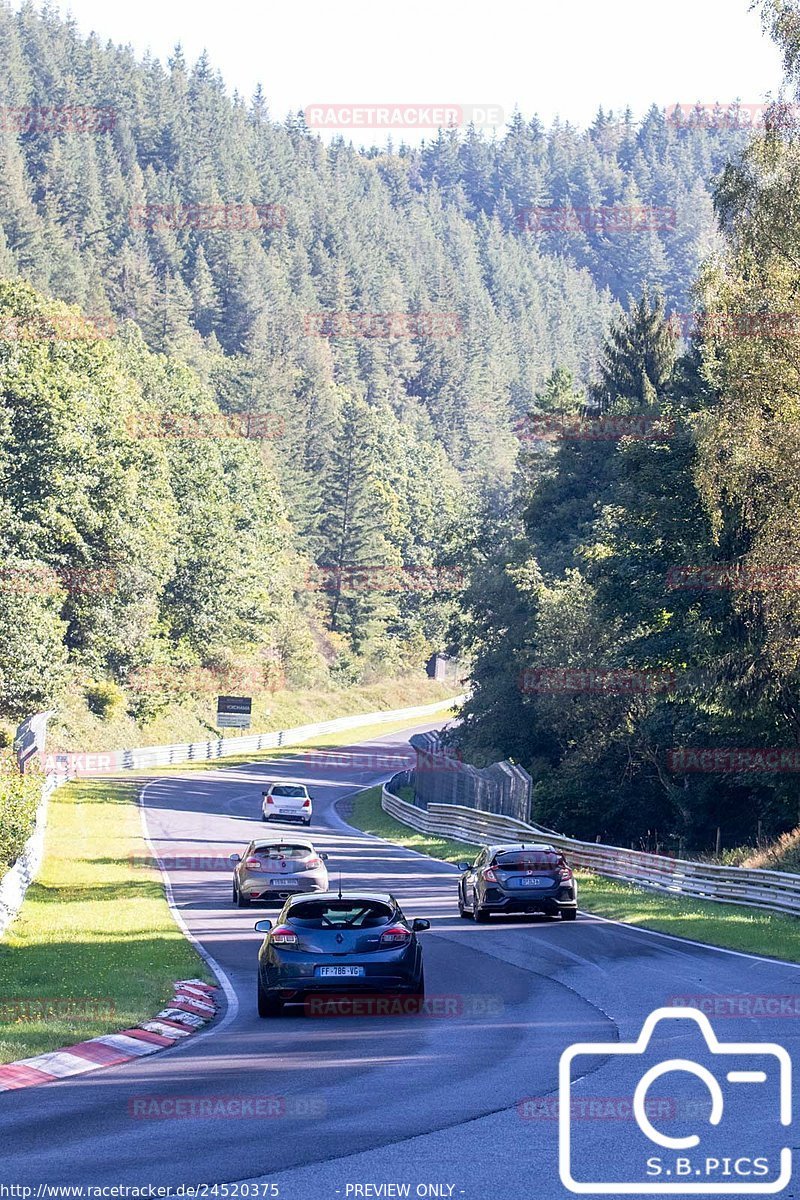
(268, 1006)
(569, 914)
(241, 901)
(264, 816)
(235, 895)
(481, 915)
(462, 912)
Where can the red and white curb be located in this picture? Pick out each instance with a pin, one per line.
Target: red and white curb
(192, 1007)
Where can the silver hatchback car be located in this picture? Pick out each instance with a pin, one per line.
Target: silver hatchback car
(277, 867)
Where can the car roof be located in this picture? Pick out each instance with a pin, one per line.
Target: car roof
(284, 783)
(286, 839)
(507, 846)
(383, 897)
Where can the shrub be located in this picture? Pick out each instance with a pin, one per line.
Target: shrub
(104, 699)
(19, 797)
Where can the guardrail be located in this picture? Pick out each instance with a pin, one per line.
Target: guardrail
(65, 768)
(775, 891)
(109, 762)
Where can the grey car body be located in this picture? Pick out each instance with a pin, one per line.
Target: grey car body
(518, 877)
(343, 941)
(272, 868)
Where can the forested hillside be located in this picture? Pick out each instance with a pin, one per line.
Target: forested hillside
(372, 325)
(637, 629)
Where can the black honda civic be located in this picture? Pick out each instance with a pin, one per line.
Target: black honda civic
(338, 942)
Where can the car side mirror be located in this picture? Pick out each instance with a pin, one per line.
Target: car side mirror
(324, 857)
(419, 925)
(263, 926)
(463, 866)
(234, 858)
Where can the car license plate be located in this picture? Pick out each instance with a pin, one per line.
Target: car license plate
(525, 882)
(285, 882)
(340, 971)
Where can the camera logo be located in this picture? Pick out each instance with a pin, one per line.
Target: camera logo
(736, 1089)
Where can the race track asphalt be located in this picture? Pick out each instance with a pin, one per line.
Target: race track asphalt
(456, 1102)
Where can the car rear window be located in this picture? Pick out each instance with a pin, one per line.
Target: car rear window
(529, 860)
(273, 850)
(288, 789)
(340, 914)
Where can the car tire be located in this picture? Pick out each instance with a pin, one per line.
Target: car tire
(418, 993)
(268, 1006)
(569, 914)
(264, 816)
(241, 901)
(481, 915)
(462, 912)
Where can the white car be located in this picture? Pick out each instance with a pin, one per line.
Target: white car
(286, 802)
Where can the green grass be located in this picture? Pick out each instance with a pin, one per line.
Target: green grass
(95, 948)
(365, 813)
(193, 719)
(728, 925)
(346, 737)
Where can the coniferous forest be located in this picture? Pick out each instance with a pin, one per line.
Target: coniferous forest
(327, 411)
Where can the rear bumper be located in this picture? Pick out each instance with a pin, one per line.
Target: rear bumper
(257, 890)
(552, 903)
(300, 817)
(393, 973)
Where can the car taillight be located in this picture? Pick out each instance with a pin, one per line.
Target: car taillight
(395, 936)
(312, 863)
(565, 873)
(306, 804)
(269, 800)
(283, 936)
(489, 875)
(253, 862)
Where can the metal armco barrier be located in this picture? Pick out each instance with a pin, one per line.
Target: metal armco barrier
(442, 778)
(65, 767)
(109, 762)
(776, 891)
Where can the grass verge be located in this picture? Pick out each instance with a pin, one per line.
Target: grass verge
(95, 948)
(727, 925)
(345, 737)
